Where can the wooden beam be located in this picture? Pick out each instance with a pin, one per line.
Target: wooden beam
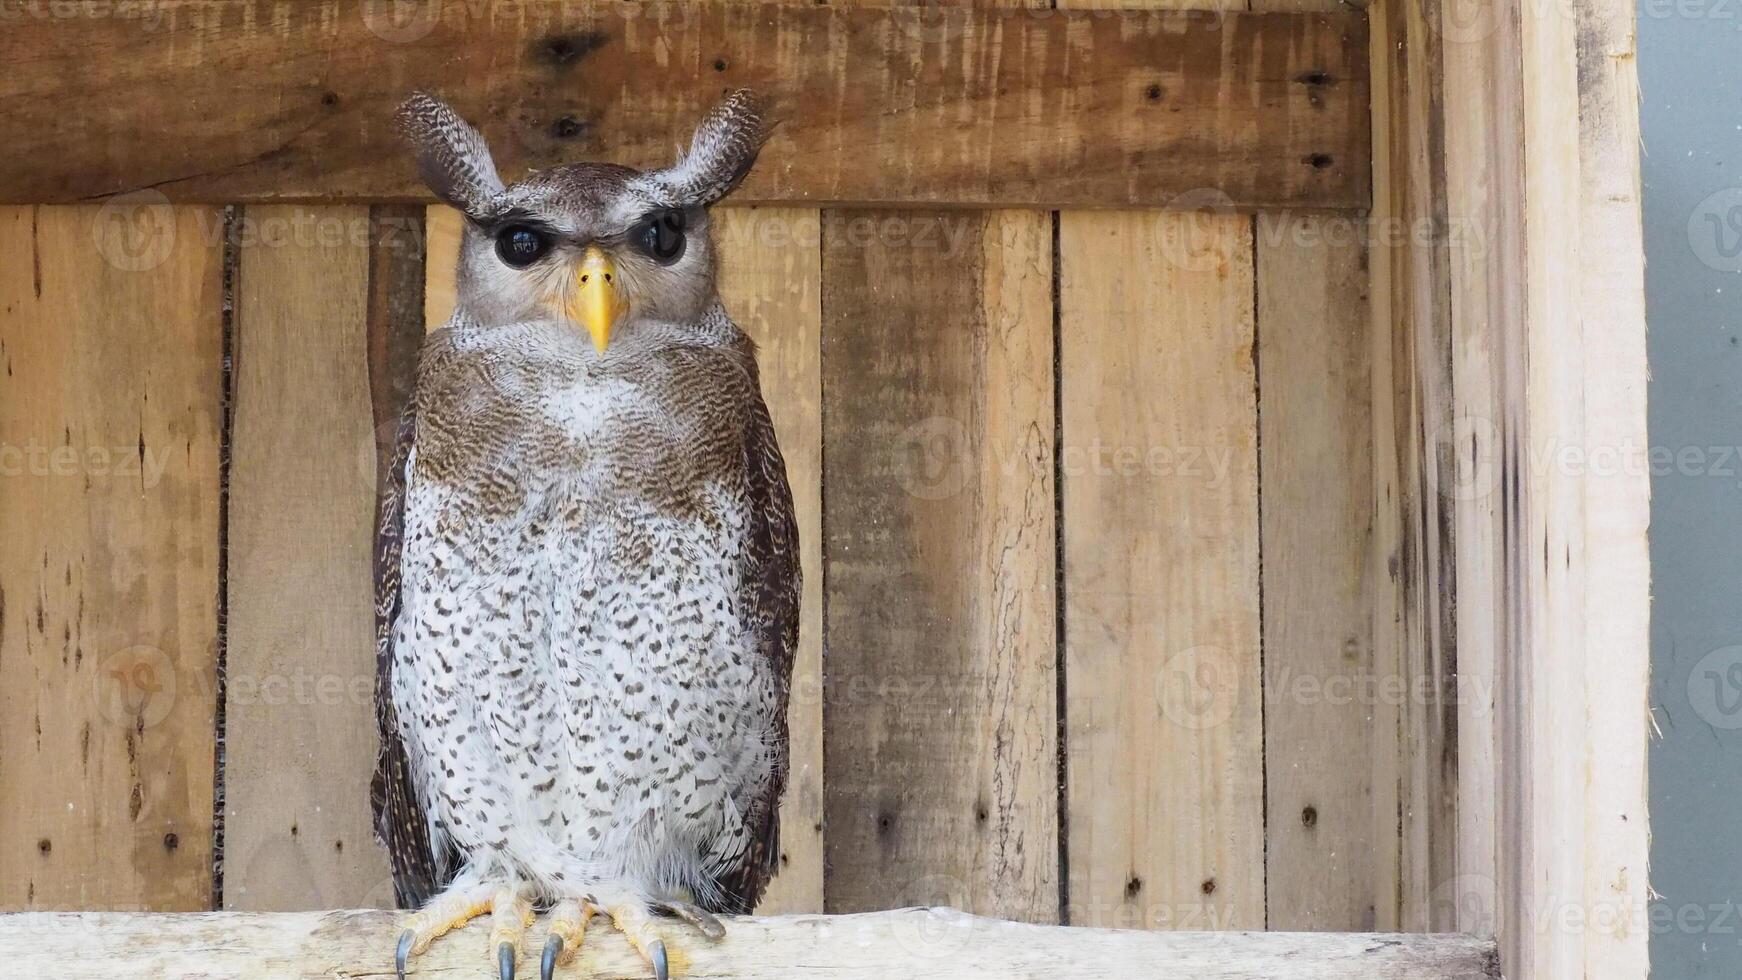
(254, 100)
(937, 943)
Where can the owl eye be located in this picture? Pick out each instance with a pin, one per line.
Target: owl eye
(662, 236)
(520, 246)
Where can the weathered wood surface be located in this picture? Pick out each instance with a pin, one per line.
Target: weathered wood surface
(937, 943)
(111, 400)
(300, 669)
(771, 282)
(251, 100)
(1162, 671)
(941, 742)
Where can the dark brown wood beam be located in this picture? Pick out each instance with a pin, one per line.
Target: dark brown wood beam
(224, 101)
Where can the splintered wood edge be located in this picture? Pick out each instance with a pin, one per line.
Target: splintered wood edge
(940, 943)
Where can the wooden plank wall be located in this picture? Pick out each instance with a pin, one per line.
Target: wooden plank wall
(1096, 625)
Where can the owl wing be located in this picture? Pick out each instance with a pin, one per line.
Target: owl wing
(771, 582)
(400, 823)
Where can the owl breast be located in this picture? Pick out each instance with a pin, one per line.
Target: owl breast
(581, 693)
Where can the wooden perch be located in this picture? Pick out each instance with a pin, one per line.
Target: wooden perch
(932, 943)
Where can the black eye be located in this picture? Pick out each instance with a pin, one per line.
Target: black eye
(662, 236)
(520, 246)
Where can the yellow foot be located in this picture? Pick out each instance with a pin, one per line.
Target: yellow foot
(632, 917)
(510, 914)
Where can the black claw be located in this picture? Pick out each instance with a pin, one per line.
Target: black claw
(505, 960)
(403, 953)
(553, 948)
(656, 953)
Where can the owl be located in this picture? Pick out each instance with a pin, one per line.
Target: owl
(587, 571)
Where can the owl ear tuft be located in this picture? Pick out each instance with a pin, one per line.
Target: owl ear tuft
(721, 153)
(452, 157)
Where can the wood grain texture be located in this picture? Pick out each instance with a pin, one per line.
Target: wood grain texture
(1162, 669)
(111, 343)
(1416, 471)
(1329, 757)
(442, 228)
(300, 669)
(901, 105)
(937, 439)
(935, 943)
(1585, 587)
(1484, 123)
(771, 283)
(1331, 698)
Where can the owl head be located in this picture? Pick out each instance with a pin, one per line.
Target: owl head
(603, 247)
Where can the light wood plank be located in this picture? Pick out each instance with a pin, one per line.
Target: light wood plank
(941, 718)
(1586, 581)
(442, 229)
(111, 343)
(935, 943)
(1160, 493)
(1414, 424)
(1326, 691)
(1330, 711)
(309, 91)
(771, 283)
(301, 664)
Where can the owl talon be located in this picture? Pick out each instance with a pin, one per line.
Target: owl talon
(695, 915)
(505, 960)
(403, 953)
(553, 948)
(656, 953)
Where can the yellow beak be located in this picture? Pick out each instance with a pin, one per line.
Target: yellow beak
(594, 304)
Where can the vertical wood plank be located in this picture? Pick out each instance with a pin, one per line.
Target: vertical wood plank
(300, 669)
(1330, 828)
(1416, 469)
(770, 281)
(111, 345)
(1159, 462)
(442, 228)
(938, 397)
(1331, 698)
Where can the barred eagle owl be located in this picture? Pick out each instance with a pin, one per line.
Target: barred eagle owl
(587, 566)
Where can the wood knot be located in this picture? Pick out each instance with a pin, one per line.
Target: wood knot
(560, 50)
(1309, 817)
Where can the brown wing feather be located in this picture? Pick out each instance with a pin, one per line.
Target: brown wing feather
(772, 583)
(400, 823)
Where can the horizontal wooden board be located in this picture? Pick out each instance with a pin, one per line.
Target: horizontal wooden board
(940, 944)
(255, 100)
